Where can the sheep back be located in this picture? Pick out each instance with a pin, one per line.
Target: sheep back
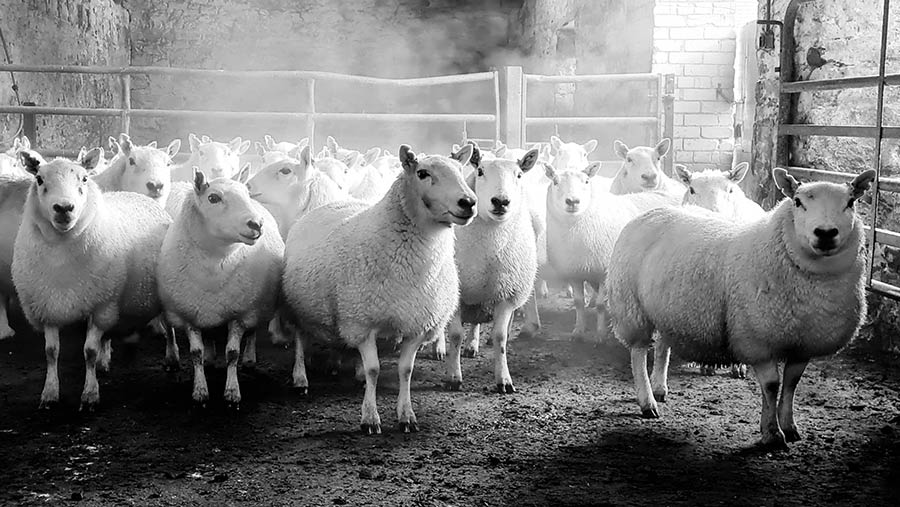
(13, 191)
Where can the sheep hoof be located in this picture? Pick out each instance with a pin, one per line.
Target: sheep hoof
(504, 388)
(88, 407)
(7, 333)
(199, 405)
(739, 371)
(171, 366)
(469, 352)
(791, 435)
(233, 406)
(650, 413)
(370, 429)
(454, 385)
(408, 427)
(249, 364)
(660, 398)
(439, 354)
(301, 390)
(772, 443)
(48, 405)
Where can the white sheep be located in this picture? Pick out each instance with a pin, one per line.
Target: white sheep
(570, 155)
(583, 222)
(84, 255)
(718, 191)
(13, 191)
(220, 263)
(10, 165)
(141, 169)
(365, 181)
(496, 259)
(355, 272)
(273, 151)
(641, 169)
(215, 159)
(787, 287)
(335, 169)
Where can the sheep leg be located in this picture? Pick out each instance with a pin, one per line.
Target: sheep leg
(249, 359)
(738, 370)
(532, 325)
(5, 330)
(301, 383)
(454, 368)
(649, 408)
(793, 370)
(105, 355)
(440, 346)
(598, 301)
(503, 313)
(767, 376)
(406, 418)
(50, 394)
(173, 359)
(368, 352)
(209, 350)
(90, 396)
(580, 324)
(473, 337)
(541, 288)
(232, 355)
(660, 374)
(198, 351)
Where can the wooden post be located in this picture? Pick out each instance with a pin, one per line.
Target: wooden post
(126, 103)
(512, 107)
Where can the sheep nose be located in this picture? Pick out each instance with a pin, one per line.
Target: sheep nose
(648, 177)
(64, 208)
(255, 225)
(572, 202)
(154, 186)
(500, 202)
(825, 233)
(466, 203)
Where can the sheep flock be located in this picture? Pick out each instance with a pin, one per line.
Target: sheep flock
(345, 249)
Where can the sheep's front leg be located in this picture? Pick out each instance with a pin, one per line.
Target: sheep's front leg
(232, 356)
(368, 352)
(472, 343)
(649, 408)
(541, 288)
(580, 324)
(659, 377)
(209, 351)
(767, 376)
(90, 396)
(50, 394)
(105, 357)
(201, 391)
(440, 346)
(793, 370)
(454, 368)
(173, 359)
(301, 383)
(5, 330)
(503, 313)
(249, 358)
(598, 301)
(532, 325)
(738, 370)
(406, 418)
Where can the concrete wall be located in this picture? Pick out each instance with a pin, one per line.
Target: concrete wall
(63, 32)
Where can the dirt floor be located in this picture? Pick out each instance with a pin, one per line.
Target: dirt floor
(571, 435)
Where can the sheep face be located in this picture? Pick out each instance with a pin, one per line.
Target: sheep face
(499, 186)
(273, 183)
(570, 191)
(641, 169)
(8, 164)
(823, 213)
(336, 170)
(215, 159)
(714, 190)
(435, 189)
(227, 210)
(147, 169)
(61, 186)
(570, 155)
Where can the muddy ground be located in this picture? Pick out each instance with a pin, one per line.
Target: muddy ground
(571, 435)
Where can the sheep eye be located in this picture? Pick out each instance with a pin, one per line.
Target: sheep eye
(480, 172)
(797, 202)
(730, 190)
(692, 190)
(850, 203)
(84, 179)
(285, 170)
(40, 181)
(629, 160)
(214, 198)
(131, 160)
(519, 175)
(422, 174)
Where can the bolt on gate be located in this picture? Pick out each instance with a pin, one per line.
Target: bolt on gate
(790, 90)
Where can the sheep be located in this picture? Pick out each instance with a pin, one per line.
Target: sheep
(9, 160)
(787, 287)
(641, 170)
(215, 159)
(220, 263)
(719, 192)
(141, 169)
(13, 191)
(335, 169)
(365, 181)
(496, 259)
(82, 254)
(354, 272)
(570, 155)
(273, 151)
(583, 222)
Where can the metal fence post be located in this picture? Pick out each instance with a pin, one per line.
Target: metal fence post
(512, 110)
(310, 120)
(29, 124)
(668, 98)
(126, 103)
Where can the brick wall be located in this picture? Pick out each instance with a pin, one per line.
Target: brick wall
(695, 40)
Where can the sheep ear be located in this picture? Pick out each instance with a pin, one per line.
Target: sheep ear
(200, 183)
(470, 179)
(545, 152)
(303, 142)
(663, 147)
(500, 152)
(173, 147)
(555, 143)
(589, 146)
(464, 155)
(352, 159)
(81, 153)
(193, 142)
(125, 143)
(238, 146)
(593, 169)
(785, 182)
(260, 149)
(371, 156)
(324, 153)
(683, 173)
(476, 159)
(270, 143)
(152, 144)
(621, 149)
(205, 139)
(243, 175)
(408, 159)
(92, 158)
(528, 160)
(113, 145)
(861, 183)
(305, 157)
(332, 144)
(738, 173)
(32, 160)
(454, 149)
(25, 144)
(550, 171)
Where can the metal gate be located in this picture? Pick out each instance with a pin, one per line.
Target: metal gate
(791, 87)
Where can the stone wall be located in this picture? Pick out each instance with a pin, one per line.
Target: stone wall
(93, 32)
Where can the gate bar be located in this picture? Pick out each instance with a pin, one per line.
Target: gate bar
(842, 83)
